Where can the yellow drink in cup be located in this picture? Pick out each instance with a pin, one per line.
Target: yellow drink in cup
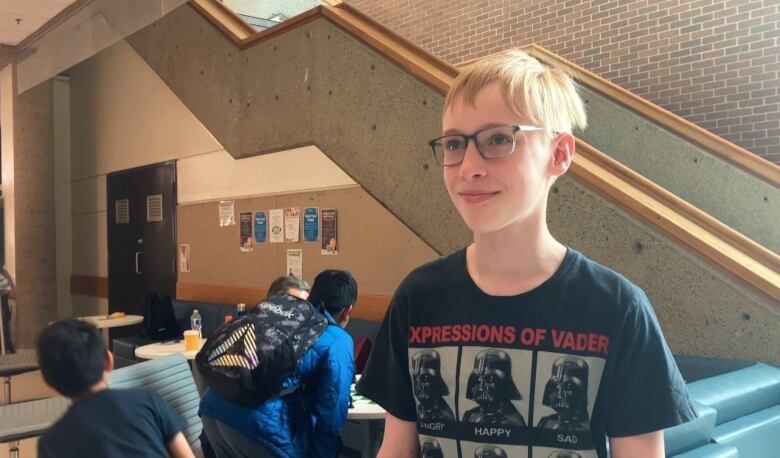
(191, 340)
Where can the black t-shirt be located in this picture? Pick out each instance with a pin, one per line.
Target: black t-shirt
(548, 373)
(113, 423)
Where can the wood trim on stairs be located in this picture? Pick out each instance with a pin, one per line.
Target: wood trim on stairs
(715, 144)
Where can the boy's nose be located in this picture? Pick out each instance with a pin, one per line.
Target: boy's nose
(473, 165)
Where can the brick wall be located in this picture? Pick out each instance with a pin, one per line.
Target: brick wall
(715, 63)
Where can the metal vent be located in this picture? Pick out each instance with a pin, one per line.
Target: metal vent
(122, 210)
(154, 208)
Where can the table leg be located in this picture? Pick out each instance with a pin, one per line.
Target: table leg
(13, 449)
(370, 433)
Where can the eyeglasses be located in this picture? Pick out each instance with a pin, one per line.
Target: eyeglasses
(492, 143)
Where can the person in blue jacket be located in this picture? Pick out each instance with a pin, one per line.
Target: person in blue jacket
(308, 421)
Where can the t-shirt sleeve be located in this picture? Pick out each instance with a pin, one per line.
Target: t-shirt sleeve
(647, 391)
(168, 420)
(385, 379)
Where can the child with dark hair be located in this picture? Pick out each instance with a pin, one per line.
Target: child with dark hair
(127, 423)
(336, 292)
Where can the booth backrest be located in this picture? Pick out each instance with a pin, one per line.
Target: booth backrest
(363, 328)
(171, 377)
(739, 393)
(688, 436)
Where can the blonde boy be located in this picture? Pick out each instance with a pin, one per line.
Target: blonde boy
(535, 349)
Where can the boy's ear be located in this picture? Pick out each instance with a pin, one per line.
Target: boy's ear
(108, 362)
(563, 153)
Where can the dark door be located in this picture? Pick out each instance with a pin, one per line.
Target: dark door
(141, 238)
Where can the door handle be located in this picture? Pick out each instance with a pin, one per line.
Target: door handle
(137, 255)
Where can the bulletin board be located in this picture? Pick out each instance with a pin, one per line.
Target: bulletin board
(373, 245)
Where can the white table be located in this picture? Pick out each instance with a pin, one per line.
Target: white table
(167, 348)
(369, 415)
(105, 321)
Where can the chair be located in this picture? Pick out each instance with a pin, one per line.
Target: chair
(171, 377)
(14, 364)
(29, 419)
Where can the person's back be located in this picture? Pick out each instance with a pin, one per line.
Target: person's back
(308, 421)
(101, 422)
(113, 423)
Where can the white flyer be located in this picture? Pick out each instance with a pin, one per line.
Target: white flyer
(292, 224)
(295, 263)
(276, 219)
(227, 213)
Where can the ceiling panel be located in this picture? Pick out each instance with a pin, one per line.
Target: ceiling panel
(33, 14)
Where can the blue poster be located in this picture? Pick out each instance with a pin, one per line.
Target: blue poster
(260, 227)
(311, 225)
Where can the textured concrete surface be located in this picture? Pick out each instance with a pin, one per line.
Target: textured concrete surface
(6, 55)
(36, 267)
(374, 120)
(735, 197)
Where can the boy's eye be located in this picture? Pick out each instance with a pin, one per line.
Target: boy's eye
(454, 144)
(499, 139)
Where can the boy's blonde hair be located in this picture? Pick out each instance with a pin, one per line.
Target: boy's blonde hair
(545, 95)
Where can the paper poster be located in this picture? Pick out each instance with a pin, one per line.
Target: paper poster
(311, 225)
(184, 257)
(330, 237)
(276, 217)
(260, 227)
(295, 263)
(227, 213)
(292, 224)
(245, 228)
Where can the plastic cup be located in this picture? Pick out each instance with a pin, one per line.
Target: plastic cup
(191, 340)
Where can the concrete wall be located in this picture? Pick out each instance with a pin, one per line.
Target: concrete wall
(318, 84)
(730, 194)
(124, 116)
(34, 212)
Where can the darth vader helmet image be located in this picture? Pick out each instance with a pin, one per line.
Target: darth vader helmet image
(426, 376)
(567, 388)
(491, 380)
(564, 454)
(489, 451)
(430, 449)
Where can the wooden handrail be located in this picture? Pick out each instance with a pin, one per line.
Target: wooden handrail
(715, 144)
(748, 261)
(225, 19)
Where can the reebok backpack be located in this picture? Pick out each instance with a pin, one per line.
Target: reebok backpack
(247, 360)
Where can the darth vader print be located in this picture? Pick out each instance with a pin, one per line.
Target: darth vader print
(435, 447)
(477, 450)
(492, 394)
(566, 391)
(429, 386)
(548, 452)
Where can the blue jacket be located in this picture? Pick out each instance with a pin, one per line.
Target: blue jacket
(308, 421)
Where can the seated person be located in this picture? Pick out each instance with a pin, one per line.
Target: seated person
(101, 421)
(291, 285)
(308, 421)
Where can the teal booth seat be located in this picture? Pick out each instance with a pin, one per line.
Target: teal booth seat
(710, 451)
(171, 377)
(747, 402)
(688, 436)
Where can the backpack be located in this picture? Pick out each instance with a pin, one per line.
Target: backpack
(159, 319)
(247, 360)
